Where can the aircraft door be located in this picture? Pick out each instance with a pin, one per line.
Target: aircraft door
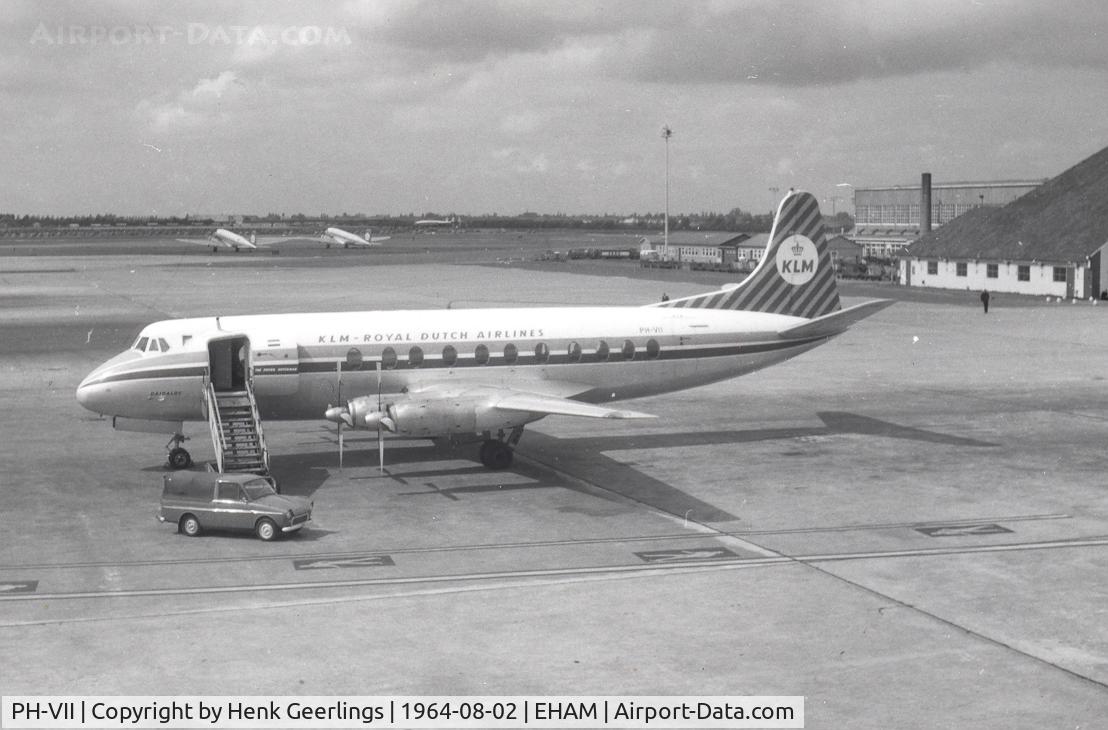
(227, 358)
(275, 364)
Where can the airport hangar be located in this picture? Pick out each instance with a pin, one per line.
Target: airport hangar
(1048, 242)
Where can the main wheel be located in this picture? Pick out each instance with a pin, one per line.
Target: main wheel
(496, 455)
(179, 458)
(189, 525)
(265, 529)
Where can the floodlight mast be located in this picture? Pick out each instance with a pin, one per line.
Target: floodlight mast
(666, 134)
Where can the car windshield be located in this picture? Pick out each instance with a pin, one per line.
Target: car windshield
(258, 488)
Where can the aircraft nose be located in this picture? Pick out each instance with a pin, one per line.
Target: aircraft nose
(91, 395)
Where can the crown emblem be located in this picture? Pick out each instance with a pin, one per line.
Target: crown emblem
(798, 249)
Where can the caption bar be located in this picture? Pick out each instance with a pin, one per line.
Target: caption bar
(402, 712)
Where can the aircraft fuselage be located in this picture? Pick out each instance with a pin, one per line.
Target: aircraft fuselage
(301, 364)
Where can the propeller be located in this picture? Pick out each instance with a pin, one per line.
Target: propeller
(359, 413)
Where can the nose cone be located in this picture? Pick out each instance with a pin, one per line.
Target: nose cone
(95, 391)
(93, 395)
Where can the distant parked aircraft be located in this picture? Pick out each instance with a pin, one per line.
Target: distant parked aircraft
(346, 239)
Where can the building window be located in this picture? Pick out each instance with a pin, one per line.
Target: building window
(449, 355)
(574, 352)
(653, 349)
(602, 351)
(511, 353)
(933, 268)
(481, 355)
(991, 271)
(388, 358)
(1060, 273)
(961, 268)
(542, 352)
(1024, 273)
(415, 357)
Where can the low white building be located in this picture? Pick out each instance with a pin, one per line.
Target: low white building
(1049, 242)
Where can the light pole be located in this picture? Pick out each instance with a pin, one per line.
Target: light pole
(773, 201)
(666, 134)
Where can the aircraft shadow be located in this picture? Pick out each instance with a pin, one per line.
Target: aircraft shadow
(584, 457)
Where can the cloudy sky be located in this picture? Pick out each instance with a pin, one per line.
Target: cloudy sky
(484, 106)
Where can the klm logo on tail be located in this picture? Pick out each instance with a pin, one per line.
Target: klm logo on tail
(797, 259)
(795, 275)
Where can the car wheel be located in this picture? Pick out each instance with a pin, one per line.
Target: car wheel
(179, 459)
(189, 525)
(265, 529)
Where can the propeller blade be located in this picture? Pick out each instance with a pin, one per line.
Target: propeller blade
(380, 424)
(343, 414)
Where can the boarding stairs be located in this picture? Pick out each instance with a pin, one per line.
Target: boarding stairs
(236, 430)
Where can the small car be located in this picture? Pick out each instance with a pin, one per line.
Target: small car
(195, 501)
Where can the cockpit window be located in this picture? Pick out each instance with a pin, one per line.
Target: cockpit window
(140, 344)
(164, 344)
(153, 345)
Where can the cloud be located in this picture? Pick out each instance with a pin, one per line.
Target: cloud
(780, 42)
(208, 102)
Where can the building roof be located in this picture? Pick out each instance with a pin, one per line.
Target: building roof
(1064, 219)
(699, 238)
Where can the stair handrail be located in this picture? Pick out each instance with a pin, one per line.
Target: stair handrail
(215, 424)
(258, 425)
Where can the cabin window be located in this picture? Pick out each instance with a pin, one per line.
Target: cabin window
(388, 358)
(415, 357)
(449, 355)
(353, 359)
(628, 350)
(481, 355)
(164, 344)
(575, 352)
(1060, 274)
(653, 349)
(1024, 273)
(602, 350)
(542, 352)
(511, 353)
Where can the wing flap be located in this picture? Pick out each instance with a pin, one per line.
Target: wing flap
(552, 405)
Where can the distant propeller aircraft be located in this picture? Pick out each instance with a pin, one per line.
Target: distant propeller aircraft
(346, 239)
(480, 374)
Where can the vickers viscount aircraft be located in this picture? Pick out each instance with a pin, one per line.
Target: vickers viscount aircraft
(480, 374)
(347, 239)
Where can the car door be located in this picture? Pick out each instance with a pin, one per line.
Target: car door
(229, 508)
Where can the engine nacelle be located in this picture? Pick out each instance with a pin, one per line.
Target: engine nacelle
(465, 414)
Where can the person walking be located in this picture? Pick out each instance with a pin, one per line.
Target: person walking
(985, 300)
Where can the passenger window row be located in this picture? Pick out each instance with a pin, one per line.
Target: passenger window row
(510, 355)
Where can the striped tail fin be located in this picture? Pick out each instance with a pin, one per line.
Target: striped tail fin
(795, 275)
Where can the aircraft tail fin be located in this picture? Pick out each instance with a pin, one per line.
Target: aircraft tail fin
(794, 276)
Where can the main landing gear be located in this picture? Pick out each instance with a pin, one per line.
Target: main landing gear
(179, 458)
(497, 453)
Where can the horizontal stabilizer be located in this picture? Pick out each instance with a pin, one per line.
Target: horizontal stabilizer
(836, 322)
(551, 405)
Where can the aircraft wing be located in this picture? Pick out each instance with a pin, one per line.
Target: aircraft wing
(835, 322)
(553, 405)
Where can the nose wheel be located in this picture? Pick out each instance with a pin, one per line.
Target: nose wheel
(179, 458)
